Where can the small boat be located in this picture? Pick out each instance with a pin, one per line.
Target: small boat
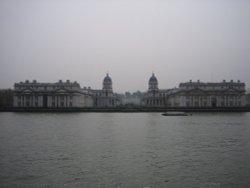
(176, 114)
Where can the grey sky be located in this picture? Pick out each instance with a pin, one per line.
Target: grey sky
(81, 40)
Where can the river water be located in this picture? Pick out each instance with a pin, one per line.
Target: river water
(124, 150)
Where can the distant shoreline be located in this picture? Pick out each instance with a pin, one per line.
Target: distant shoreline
(128, 109)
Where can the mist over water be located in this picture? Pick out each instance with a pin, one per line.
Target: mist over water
(124, 150)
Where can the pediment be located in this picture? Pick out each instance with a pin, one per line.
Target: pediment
(62, 90)
(233, 90)
(27, 91)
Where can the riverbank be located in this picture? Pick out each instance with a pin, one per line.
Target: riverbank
(126, 109)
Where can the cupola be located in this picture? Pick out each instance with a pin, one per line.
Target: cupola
(153, 83)
(107, 82)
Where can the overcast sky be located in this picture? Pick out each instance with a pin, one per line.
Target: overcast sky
(81, 40)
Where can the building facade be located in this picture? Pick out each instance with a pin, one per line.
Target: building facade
(71, 95)
(155, 97)
(105, 97)
(63, 95)
(50, 95)
(196, 94)
(220, 94)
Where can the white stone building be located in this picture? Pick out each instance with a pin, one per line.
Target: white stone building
(196, 94)
(219, 94)
(105, 97)
(155, 97)
(51, 95)
(71, 95)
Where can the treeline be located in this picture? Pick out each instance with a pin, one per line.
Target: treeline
(248, 99)
(6, 98)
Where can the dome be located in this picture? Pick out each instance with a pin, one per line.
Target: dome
(107, 79)
(152, 78)
(153, 83)
(107, 83)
